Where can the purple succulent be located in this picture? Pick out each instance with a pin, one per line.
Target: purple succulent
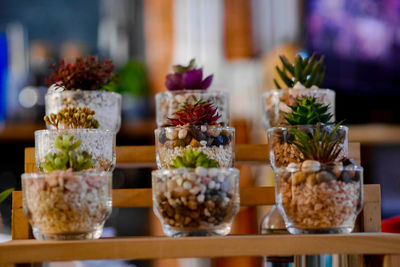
(187, 77)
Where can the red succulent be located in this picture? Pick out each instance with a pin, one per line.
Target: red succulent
(198, 113)
(85, 74)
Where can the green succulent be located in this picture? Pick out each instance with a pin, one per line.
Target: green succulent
(69, 156)
(192, 159)
(321, 145)
(307, 111)
(5, 194)
(307, 71)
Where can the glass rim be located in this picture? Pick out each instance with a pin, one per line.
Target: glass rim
(60, 131)
(89, 172)
(342, 168)
(118, 95)
(275, 90)
(313, 126)
(201, 91)
(228, 128)
(192, 170)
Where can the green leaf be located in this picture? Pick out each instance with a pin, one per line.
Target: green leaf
(285, 79)
(5, 194)
(287, 65)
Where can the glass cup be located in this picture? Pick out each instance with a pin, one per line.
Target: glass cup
(107, 105)
(65, 205)
(319, 199)
(98, 143)
(196, 202)
(275, 103)
(171, 101)
(217, 142)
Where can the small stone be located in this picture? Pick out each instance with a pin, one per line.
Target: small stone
(212, 172)
(200, 171)
(162, 138)
(178, 143)
(195, 190)
(200, 198)
(221, 178)
(299, 177)
(203, 143)
(293, 166)
(187, 220)
(337, 169)
(206, 212)
(324, 176)
(182, 133)
(187, 185)
(179, 181)
(214, 131)
(217, 186)
(218, 141)
(211, 185)
(311, 179)
(192, 205)
(203, 128)
(311, 166)
(195, 143)
(171, 134)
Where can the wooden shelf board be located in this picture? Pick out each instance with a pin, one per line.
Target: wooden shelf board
(20, 251)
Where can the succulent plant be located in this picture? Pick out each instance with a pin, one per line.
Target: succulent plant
(307, 111)
(72, 118)
(69, 156)
(198, 113)
(84, 74)
(307, 71)
(5, 194)
(192, 159)
(187, 77)
(321, 145)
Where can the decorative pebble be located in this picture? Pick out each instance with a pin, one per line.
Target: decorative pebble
(195, 190)
(171, 134)
(217, 186)
(324, 176)
(206, 212)
(182, 133)
(203, 143)
(212, 172)
(200, 198)
(214, 131)
(211, 185)
(203, 128)
(221, 178)
(311, 166)
(179, 181)
(200, 171)
(187, 185)
(299, 177)
(195, 143)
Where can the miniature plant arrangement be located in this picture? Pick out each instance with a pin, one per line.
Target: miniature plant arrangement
(186, 85)
(70, 200)
(195, 127)
(309, 118)
(195, 199)
(320, 194)
(84, 83)
(298, 80)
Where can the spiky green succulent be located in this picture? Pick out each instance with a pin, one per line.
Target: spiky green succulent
(307, 71)
(5, 194)
(323, 146)
(193, 158)
(307, 111)
(69, 156)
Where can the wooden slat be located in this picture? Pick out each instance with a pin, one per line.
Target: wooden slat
(145, 155)
(194, 247)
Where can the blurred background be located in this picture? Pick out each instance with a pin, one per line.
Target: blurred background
(237, 40)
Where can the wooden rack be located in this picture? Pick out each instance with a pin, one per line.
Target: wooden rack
(22, 249)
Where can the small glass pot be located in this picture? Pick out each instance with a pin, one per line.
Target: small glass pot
(98, 143)
(282, 151)
(315, 198)
(107, 105)
(217, 142)
(167, 103)
(196, 202)
(65, 205)
(275, 103)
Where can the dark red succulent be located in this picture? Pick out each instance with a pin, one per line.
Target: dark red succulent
(84, 74)
(187, 77)
(198, 113)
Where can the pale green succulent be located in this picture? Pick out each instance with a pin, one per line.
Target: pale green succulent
(192, 159)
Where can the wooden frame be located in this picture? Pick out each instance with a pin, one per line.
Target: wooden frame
(19, 251)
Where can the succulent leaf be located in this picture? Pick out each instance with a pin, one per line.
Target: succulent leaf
(192, 159)
(73, 118)
(69, 156)
(307, 71)
(5, 194)
(306, 111)
(198, 113)
(321, 145)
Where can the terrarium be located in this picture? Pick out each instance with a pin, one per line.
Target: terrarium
(301, 79)
(64, 204)
(195, 127)
(85, 83)
(196, 199)
(186, 85)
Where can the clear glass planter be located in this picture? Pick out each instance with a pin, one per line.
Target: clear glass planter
(65, 205)
(282, 152)
(169, 102)
(98, 143)
(196, 202)
(275, 104)
(319, 200)
(107, 105)
(217, 142)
